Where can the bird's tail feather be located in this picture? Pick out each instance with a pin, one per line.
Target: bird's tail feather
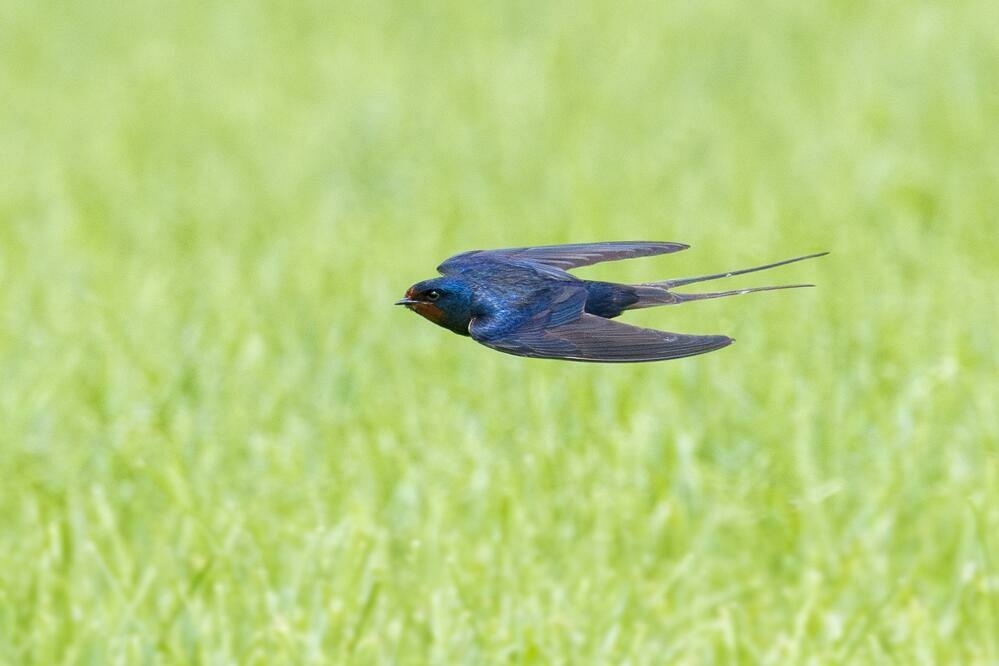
(652, 294)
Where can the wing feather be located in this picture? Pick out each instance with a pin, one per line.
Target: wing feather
(595, 339)
(565, 257)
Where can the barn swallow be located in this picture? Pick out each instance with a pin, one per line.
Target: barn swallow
(523, 301)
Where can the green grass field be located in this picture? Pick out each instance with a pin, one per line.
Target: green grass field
(221, 444)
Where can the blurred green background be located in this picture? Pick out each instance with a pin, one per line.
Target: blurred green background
(221, 444)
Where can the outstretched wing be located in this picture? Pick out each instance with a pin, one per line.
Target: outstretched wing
(565, 257)
(595, 339)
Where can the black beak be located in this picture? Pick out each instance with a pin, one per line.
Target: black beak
(405, 301)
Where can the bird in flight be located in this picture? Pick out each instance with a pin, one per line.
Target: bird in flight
(523, 301)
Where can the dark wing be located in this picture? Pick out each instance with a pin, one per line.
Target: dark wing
(595, 339)
(565, 257)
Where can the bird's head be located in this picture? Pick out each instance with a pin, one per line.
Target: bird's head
(444, 301)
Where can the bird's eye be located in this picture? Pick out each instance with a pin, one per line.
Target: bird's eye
(433, 295)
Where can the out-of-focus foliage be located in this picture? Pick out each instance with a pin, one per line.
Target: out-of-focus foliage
(220, 443)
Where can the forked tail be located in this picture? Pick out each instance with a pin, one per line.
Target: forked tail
(659, 293)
